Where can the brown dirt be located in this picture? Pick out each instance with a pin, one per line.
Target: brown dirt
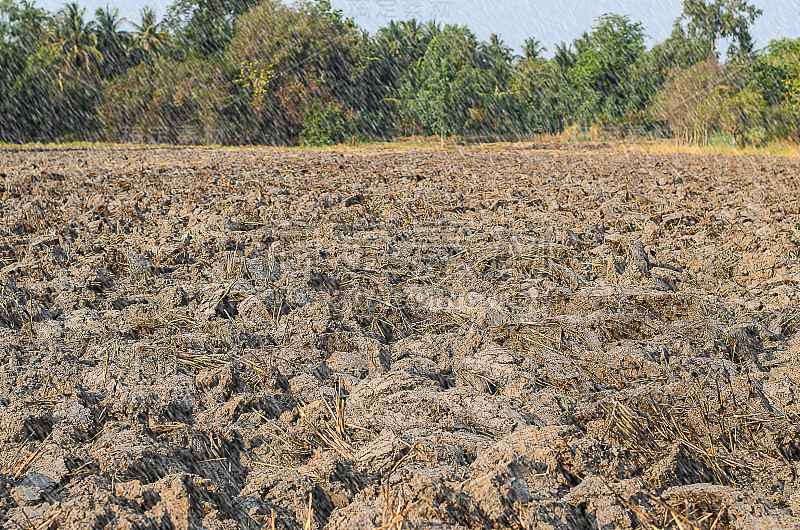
(517, 337)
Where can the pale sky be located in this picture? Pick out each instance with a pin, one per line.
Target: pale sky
(515, 20)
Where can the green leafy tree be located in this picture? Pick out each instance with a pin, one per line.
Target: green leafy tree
(9, 66)
(534, 84)
(205, 27)
(438, 94)
(24, 31)
(6, 7)
(325, 123)
(25, 26)
(709, 21)
(312, 54)
(278, 72)
(739, 111)
(777, 73)
(389, 55)
(51, 105)
(396, 47)
(497, 111)
(603, 68)
(680, 50)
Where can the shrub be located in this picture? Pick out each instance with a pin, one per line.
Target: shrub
(324, 123)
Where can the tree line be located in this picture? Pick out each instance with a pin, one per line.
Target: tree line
(263, 72)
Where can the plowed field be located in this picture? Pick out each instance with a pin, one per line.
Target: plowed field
(505, 337)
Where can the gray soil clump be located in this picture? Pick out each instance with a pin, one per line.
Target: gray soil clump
(481, 338)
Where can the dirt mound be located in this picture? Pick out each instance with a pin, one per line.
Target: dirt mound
(199, 338)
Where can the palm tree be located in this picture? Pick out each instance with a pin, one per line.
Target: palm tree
(111, 42)
(533, 48)
(107, 22)
(416, 38)
(496, 57)
(74, 39)
(29, 23)
(583, 44)
(149, 36)
(397, 46)
(431, 29)
(563, 60)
